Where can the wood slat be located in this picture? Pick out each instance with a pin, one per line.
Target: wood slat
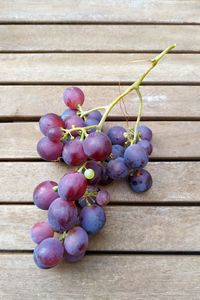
(105, 11)
(98, 37)
(128, 228)
(93, 68)
(102, 277)
(158, 101)
(175, 182)
(171, 139)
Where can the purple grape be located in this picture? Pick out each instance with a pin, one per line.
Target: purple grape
(73, 258)
(117, 168)
(68, 113)
(146, 145)
(90, 122)
(145, 132)
(41, 231)
(117, 151)
(135, 157)
(62, 215)
(103, 198)
(73, 154)
(140, 181)
(55, 134)
(95, 115)
(97, 146)
(48, 253)
(48, 121)
(73, 96)
(116, 135)
(97, 168)
(105, 178)
(49, 150)
(75, 121)
(76, 241)
(44, 194)
(92, 218)
(72, 186)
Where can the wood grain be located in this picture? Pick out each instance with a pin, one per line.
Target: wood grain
(93, 68)
(128, 228)
(169, 139)
(104, 11)
(173, 182)
(158, 101)
(98, 37)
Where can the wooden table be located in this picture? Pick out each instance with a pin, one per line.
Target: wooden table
(150, 246)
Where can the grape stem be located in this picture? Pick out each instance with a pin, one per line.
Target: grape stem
(138, 117)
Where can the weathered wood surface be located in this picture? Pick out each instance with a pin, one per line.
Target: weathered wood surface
(173, 182)
(98, 38)
(171, 139)
(158, 101)
(94, 67)
(128, 228)
(168, 11)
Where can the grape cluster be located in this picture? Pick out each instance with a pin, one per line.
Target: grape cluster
(76, 203)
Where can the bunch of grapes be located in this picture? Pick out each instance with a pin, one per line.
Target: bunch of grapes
(76, 203)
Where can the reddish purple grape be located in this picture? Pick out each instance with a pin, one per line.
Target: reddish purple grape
(145, 132)
(135, 157)
(117, 168)
(76, 241)
(48, 253)
(103, 198)
(73, 258)
(72, 186)
(48, 121)
(140, 181)
(55, 134)
(49, 150)
(92, 218)
(75, 121)
(97, 146)
(44, 194)
(73, 153)
(116, 135)
(68, 113)
(62, 215)
(97, 168)
(41, 231)
(73, 96)
(146, 145)
(95, 115)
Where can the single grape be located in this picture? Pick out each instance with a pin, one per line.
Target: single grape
(140, 181)
(62, 215)
(90, 122)
(105, 178)
(68, 113)
(103, 198)
(76, 241)
(117, 151)
(97, 168)
(73, 96)
(92, 218)
(73, 258)
(48, 121)
(117, 168)
(89, 174)
(97, 146)
(95, 115)
(55, 134)
(44, 194)
(72, 186)
(48, 253)
(49, 150)
(116, 135)
(74, 121)
(135, 157)
(145, 132)
(41, 231)
(146, 145)
(73, 154)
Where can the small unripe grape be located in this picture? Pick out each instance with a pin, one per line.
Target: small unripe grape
(89, 173)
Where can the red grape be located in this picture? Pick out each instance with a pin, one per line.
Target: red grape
(73, 96)
(41, 231)
(73, 153)
(49, 150)
(55, 134)
(76, 241)
(48, 121)
(44, 194)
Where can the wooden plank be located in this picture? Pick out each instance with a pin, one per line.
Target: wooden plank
(128, 228)
(172, 182)
(158, 101)
(93, 68)
(98, 37)
(116, 277)
(171, 139)
(105, 11)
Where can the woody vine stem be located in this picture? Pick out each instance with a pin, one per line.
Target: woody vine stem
(135, 86)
